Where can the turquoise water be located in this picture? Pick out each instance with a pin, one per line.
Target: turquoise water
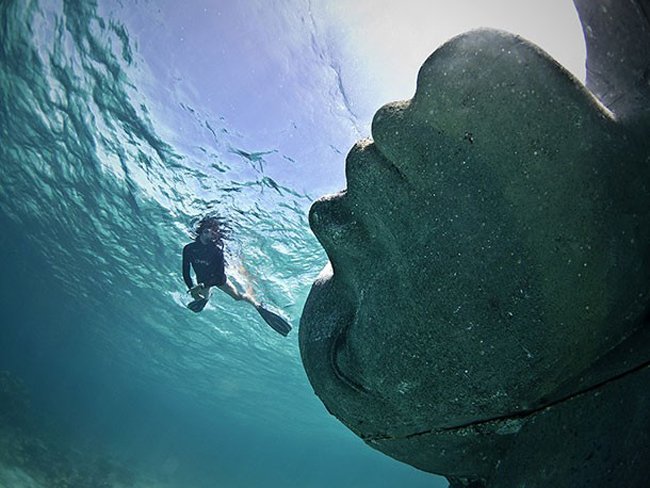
(107, 155)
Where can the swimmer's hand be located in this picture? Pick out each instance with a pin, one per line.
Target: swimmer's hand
(199, 292)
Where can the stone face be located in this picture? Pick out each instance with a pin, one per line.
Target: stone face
(489, 271)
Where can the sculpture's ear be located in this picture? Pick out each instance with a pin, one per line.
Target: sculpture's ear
(617, 35)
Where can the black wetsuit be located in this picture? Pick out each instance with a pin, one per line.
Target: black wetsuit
(207, 261)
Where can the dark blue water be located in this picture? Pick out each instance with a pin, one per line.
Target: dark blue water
(113, 140)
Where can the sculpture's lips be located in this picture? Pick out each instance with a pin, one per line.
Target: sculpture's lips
(339, 220)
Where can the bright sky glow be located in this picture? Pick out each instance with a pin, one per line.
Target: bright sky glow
(300, 80)
(391, 40)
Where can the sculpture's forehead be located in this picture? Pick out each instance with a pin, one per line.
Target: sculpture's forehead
(496, 90)
(496, 64)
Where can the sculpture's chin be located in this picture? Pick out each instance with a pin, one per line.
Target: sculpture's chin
(324, 328)
(323, 335)
(324, 321)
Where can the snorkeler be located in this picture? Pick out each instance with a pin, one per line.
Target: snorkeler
(205, 255)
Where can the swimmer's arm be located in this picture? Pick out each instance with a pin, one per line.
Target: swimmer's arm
(187, 277)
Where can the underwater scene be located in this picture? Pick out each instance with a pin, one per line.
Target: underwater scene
(121, 125)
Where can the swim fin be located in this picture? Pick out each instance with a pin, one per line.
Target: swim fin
(277, 323)
(197, 305)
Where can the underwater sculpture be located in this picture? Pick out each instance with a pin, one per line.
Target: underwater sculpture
(485, 313)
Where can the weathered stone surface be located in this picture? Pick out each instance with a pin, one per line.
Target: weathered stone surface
(484, 315)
